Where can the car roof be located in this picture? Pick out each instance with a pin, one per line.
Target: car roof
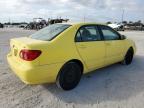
(83, 23)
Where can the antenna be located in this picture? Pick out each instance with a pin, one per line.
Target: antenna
(84, 18)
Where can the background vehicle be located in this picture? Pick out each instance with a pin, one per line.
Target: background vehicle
(1, 25)
(61, 53)
(117, 27)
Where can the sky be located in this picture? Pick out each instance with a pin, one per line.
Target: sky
(75, 10)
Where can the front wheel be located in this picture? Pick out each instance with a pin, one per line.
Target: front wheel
(128, 57)
(69, 76)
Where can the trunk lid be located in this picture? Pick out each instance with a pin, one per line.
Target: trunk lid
(18, 44)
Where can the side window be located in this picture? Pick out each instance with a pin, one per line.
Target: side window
(88, 33)
(109, 34)
(78, 36)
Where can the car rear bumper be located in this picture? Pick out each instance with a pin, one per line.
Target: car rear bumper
(34, 74)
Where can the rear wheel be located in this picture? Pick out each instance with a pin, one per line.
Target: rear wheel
(128, 57)
(69, 76)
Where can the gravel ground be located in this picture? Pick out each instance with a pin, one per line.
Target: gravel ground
(116, 86)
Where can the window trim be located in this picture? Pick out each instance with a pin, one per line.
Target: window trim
(99, 26)
(96, 28)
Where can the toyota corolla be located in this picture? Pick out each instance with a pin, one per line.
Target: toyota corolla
(62, 53)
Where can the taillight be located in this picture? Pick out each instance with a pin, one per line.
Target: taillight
(29, 55)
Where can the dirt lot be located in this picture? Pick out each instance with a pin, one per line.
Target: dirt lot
(116, 86)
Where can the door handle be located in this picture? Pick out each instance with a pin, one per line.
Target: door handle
(82, 46)
(108, 44)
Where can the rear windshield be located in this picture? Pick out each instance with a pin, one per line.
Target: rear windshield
(49, 32)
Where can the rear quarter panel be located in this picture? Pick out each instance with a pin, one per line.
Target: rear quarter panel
(61, 49)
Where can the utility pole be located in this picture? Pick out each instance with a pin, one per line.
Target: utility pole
(123, 15)
(9, 20)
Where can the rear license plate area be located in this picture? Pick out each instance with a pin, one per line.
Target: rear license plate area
(15, 52)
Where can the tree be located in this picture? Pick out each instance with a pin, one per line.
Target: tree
(109, 22)
(124, 22)
(130, 22)
(139, 21)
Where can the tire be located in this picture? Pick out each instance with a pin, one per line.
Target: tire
(69, 76)
(128, 57)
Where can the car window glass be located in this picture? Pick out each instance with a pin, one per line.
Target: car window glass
(50, 32)
(88, 33)
(109, 34)
(78, 37)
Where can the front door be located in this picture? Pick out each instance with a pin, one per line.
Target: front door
(114, 45)
(90, 46)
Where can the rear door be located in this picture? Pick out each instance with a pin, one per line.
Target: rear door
(114, 45)
(90, 46)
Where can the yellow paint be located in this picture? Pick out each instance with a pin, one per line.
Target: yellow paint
(60, 50)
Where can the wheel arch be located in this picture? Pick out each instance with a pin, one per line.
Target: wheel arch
(131, 49)
(78, 62)
(73, 60)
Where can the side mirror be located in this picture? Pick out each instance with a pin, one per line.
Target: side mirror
(123, 37)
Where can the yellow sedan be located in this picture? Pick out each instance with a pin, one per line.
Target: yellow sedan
(62, 53)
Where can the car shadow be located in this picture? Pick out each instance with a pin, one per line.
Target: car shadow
(113, 83)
